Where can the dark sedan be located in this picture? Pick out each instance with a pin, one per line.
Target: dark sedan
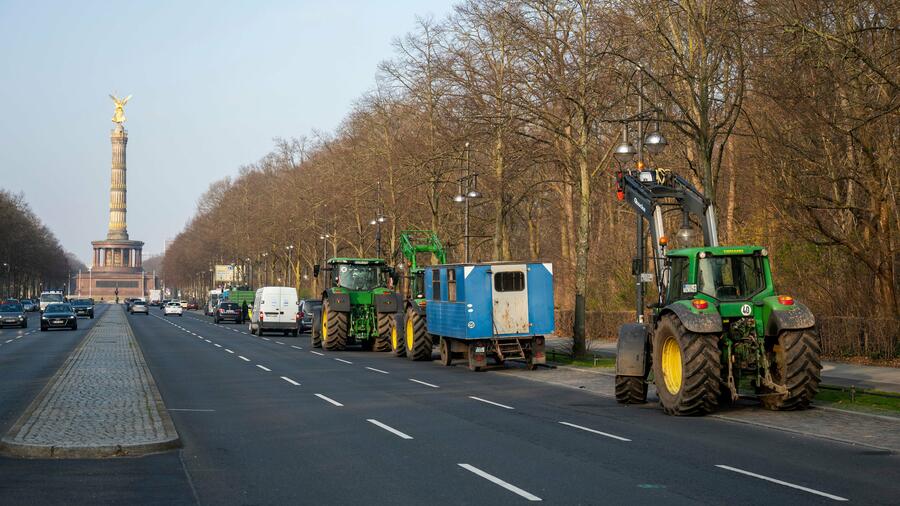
(12, 313)
(307, 308)
(59, 316)
(230, 311)
(83, 307)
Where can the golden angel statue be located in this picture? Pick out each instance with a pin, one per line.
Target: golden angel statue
(119, 115)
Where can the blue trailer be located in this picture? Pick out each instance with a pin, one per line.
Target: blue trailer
(501, 310)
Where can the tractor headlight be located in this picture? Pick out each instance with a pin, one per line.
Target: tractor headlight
(646, 176)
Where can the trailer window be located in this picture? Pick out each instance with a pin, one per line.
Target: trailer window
(451, 285)
(510, 281)
(436, 284)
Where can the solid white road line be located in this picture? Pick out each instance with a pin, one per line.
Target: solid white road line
(229, 351)
(317, 353)
(377, 370)
(344, 361)
(327, 399)
(423, 383)
(289, 380)
(245, 359)
(389, 429)
(491, 402)
(296, 347)
(595, 431)
(217, 345)
(786, 484)
(264, 368)
(493, 479)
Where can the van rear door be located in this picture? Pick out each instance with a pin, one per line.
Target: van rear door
(271, 304)
(289, 305)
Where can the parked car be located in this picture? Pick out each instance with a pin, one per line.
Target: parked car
(193, 305)
(173, 308)
(83, 307)
(308, 308)
(58, 316)
(274, 308)
(29, 306)
(228, 311)
(139, 306)
(13, 313)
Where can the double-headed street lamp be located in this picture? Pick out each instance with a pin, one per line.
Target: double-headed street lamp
(468, 189)
(377, 221)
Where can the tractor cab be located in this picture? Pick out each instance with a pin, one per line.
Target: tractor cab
(356, 274)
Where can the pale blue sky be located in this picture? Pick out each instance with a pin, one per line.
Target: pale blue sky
(213, 83)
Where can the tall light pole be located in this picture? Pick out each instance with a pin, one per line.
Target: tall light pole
(377, 221)
(468, 189)
(290, 259)
(90, 282)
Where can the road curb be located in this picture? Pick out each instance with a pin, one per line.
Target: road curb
(12, 448)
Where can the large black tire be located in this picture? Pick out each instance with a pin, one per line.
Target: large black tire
(335, 327)
(315, 333)
(383, 341)
(418, 340)
(687, 372)
(794, 363)
(631, 390)
(398, 343)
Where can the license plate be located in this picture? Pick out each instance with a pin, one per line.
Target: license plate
(229, 312)
(57, 321)
(10, 321)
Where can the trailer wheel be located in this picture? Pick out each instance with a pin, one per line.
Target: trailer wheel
(446, 354)
(398, 344)
(334, 328)
(418, 340)
(383, 341)
(631, 390)
(794, 363)
(686, 368)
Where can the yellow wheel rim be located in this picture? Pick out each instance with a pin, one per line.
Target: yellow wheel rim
(324, 324)
(671, 365)
(394, 343)
(409, 334)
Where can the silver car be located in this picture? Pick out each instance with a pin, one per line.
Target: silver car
(139, 306)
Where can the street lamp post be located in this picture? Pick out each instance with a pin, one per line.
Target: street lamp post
(290, 259)
(467, 192)
(377, 221)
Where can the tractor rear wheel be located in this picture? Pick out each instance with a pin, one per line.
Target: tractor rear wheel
(631, 390)
(383, 341)
(418, 340)
(686, 368)
(335, 326)
(446, 354)
(315, 333)
(398, 344)
(794, 363)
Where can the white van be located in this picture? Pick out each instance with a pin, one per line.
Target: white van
(275, 308)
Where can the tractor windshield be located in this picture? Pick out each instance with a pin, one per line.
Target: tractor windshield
(358, 277)
(731, 277)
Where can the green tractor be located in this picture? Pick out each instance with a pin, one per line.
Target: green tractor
(409, 335)
(719, 327)
(357, 305)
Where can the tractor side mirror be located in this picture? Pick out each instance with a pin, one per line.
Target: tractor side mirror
(316, 270)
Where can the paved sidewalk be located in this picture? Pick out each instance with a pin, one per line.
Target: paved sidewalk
(886, 379)
(101, 403)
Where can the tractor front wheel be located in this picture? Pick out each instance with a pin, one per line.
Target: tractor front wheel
(631, 390)
(686, 368)
(383, 341)
(398, 344)
(418, 340)
(794, 363)
(315, 333)
(335, 327)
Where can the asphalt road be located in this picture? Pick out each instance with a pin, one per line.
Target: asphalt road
(271, 421)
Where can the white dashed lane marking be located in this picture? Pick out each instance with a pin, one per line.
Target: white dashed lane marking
(264, 368)
(423, 383)
(245, 359)
(377, 370)
(229, 351)
(344, 361)
(296, 347)
(613, 436)
(328, 399)
(504, 406)
(289, 380)
(493, 479)
(317, 353)
(389, 428)
(784, 483)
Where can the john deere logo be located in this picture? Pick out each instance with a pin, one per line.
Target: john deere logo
(746, 310)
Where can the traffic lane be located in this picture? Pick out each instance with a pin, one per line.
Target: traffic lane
(713, 441)
(28, 359)
(250, 434)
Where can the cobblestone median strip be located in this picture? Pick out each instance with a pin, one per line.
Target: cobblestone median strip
(102, 402)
